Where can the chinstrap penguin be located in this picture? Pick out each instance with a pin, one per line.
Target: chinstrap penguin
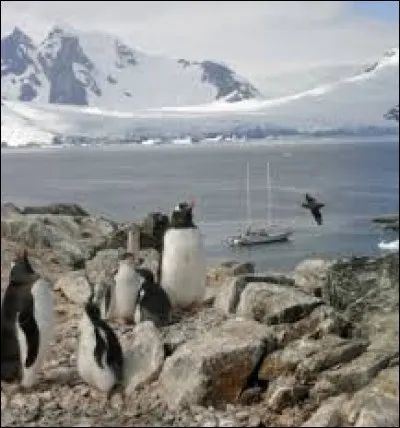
(127, 284)
(183, 269)
(100, 357)
(105, 296)
(153, 303)
(27, 323)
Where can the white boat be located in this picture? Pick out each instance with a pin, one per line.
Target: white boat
(391, 245)
(254, 235)
(184, 140)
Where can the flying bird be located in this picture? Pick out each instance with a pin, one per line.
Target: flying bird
(314, 206)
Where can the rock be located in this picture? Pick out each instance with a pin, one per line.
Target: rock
(220, 273)
(214, 368)
(28, 406)
(329, 414)
(229, 294)
(74, 286)
(378, 403)
(144, 357)
(312, 275)
(251, 396)
(285, 392)
(227, 421)
(57, 209)
(383, 331)
(322, 321)
(390, 222)
(362, 285)
(71, 239)
(359, 372)
(189, 328)
(103, 264)
(327, 357)
(274, 304)
(309, 355)
(232, 287)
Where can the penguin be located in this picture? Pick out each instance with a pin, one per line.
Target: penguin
(127, 284)
(153, 303)
(35, 326)
(105, 296)
(314, 207)
(183, 262)
(26, 323)
(100, 357)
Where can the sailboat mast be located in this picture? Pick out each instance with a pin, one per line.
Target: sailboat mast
(269, 196)
(248, 195)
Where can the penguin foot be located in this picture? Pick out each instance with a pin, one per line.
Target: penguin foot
(125, 321)
(191, 309)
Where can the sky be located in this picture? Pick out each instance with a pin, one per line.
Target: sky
(256, 38)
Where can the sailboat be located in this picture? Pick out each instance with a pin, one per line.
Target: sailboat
(260, 235)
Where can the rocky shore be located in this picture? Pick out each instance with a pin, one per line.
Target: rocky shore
(318, 347)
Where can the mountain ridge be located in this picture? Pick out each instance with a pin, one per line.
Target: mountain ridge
(100, 70)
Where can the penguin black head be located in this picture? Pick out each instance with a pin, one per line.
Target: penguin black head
(21, 270)
(146, 275)
(182, 216)
(92, 310)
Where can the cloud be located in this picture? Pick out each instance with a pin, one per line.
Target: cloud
(255, 37)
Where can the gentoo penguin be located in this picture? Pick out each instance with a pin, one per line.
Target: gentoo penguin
(127, 284)
(153, 303)
(183, 264)
(100, 357)
(27, 323)
(315, 207)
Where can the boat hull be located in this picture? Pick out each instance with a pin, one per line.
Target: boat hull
(249, 241)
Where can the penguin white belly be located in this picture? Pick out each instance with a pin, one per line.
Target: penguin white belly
(43, 314)
(126, 293)
(102, 378)
(183, 266)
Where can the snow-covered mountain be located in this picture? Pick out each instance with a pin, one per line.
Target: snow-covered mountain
(360, 103)
(99, 70)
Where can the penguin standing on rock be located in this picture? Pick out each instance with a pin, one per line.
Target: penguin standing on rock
(153, 303)
(127, 284)
(105, 296)
(100, 356)
(27, 323)
(183, 264)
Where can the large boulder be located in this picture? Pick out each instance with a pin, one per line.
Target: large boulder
(144, 356)
(230, 290)
(273, 304)
(377, 404)
(308, 357)
(214, 368)
(312, 275)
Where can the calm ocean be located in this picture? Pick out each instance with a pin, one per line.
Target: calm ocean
(356, 181)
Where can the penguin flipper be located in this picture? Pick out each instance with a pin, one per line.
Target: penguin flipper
(107, 299)
(100, 348)
(113, 348)
(28, 325)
